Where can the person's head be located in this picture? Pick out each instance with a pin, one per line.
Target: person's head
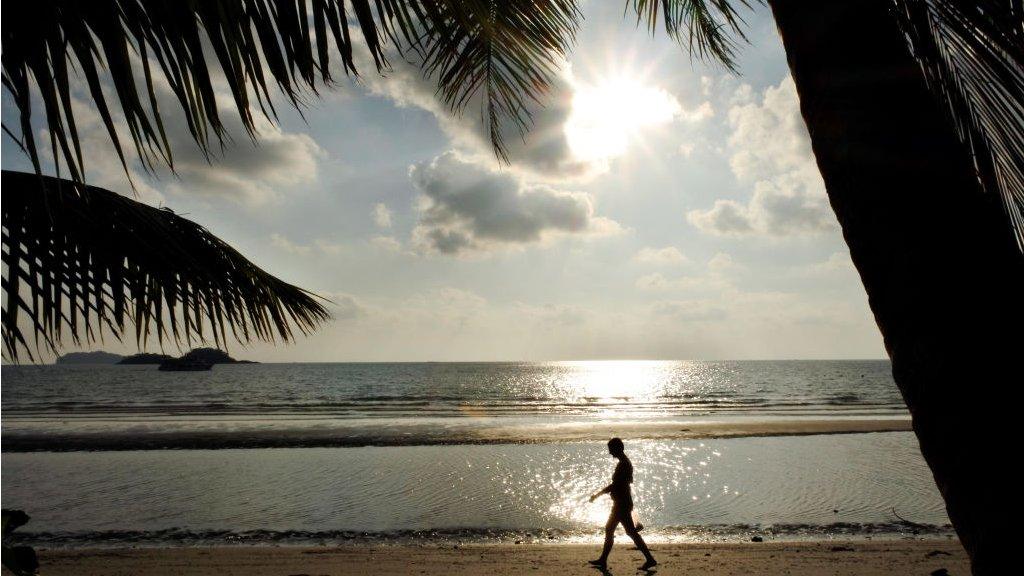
(616, 448)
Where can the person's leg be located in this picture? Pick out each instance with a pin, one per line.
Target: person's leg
(609, 538)
(631, 531)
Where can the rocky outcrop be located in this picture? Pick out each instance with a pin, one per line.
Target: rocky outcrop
(145, 358)
(97, 357)
(212, 356)
(199, 359)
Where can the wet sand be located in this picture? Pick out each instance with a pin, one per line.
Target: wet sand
(860, 558)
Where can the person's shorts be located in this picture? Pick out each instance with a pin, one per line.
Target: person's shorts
(624, 512)
(622, 509)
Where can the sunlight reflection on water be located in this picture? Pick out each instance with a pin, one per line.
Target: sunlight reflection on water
(606, 379)
(354, 391)
(784, 480)
(670, 471)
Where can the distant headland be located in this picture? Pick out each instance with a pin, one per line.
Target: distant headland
(197, 355)
(98, 357)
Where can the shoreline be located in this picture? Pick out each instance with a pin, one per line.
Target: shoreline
(836, 557)
(441, 538)
(272, 434)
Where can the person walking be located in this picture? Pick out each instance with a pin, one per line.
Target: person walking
(622, 507)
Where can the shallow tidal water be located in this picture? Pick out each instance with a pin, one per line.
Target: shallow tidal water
(784, 487)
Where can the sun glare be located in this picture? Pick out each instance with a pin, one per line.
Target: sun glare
(605, 379)
(608, 115)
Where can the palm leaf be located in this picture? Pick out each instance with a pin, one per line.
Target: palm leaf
(707, 28)
(500, 53)
(505, 50)
(972, 56)
(251, 44)
(503, 54)
(80, 259)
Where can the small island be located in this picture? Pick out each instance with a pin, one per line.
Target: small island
(199, 359)
(145, 358)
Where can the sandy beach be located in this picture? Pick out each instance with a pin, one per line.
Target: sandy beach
(909, 557)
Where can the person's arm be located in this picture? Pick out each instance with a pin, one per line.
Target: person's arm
(606, 490)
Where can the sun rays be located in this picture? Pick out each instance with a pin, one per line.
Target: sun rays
(612, 114)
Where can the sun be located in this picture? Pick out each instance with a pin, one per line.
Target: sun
(610, 114)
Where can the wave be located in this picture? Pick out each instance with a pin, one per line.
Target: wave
(381, 405)
(426, 431)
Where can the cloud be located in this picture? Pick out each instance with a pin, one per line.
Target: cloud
(669, 255)
(387, 243)
(740, 312)
(282, 242)
(689, 310)
(243, 171)
(467, 206)
(439, 316)
(551, 315)
(770, 314)
(446, 308)
(726, 218)
(558, 145)
(722, 263)
(698, 114)
(328, 247)
(838, 263)
(659, 282)
(382, 215)
(714, 279)
(543, 151)
(345, 306)
(319, 245)
(771, 151)
(447, 297)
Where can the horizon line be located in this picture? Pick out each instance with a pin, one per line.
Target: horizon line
(493, 361)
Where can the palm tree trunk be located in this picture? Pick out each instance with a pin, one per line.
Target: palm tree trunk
(943, 274)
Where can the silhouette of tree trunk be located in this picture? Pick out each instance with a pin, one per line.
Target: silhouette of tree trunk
(943, 274)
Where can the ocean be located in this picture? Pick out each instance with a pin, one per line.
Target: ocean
(456, 452)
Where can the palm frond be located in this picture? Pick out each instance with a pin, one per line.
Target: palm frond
(709, 29)
(251, 44)
(500, 53)
(972, 56)
(80, 259)
(506, 52)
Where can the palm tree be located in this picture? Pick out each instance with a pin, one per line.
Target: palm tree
(918, 198)
(915, 110)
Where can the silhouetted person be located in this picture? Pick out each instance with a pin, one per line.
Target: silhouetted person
(622, 507)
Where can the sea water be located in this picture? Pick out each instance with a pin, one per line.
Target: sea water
(407, 464)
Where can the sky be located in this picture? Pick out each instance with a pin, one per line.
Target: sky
(659, 208)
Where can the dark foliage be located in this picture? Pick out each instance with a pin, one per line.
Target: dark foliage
(80, 259)
(972, 55)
